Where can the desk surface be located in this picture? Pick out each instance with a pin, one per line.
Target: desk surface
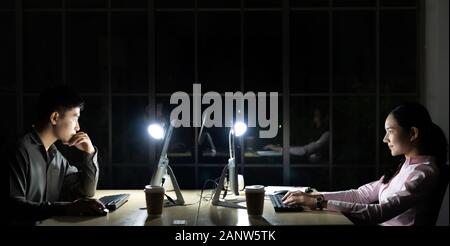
(134, 213)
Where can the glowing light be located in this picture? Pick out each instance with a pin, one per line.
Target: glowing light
(240, 128)
(156, 131)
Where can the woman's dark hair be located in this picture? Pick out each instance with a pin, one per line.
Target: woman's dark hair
(431, 137)
(59, 98)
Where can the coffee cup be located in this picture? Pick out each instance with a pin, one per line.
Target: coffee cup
(154, 196)
(254, 197)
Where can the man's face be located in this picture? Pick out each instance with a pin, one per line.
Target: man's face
(67, 125)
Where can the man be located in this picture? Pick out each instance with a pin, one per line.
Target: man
(317, 149)
(42, 183)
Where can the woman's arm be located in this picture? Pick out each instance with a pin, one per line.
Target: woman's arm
(417, 187)
(367, 193)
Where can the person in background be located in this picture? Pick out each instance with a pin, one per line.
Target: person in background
(316, 150)
(406, 195)
(42, 183)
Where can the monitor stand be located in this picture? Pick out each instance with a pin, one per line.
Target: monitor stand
(179, 197)
(231, 203)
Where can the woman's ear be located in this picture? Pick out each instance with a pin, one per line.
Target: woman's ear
(54, 117)
(414, 133)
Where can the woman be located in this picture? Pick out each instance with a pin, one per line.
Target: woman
(405, 196)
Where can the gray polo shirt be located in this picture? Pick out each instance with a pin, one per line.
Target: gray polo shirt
(41, 182)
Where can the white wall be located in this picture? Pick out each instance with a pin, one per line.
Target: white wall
(436, 91)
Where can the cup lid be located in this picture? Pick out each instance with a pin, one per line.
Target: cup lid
(254, 188)
(153, 188)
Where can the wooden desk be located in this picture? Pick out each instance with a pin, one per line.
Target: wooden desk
(217, 215)
(133, 213)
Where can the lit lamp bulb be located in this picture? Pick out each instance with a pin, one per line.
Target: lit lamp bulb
(239, 128)
(156, 131)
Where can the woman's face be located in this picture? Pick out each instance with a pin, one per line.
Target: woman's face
(397, 139)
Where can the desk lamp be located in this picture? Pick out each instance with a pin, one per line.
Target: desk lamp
(237, 130)
(163, 169)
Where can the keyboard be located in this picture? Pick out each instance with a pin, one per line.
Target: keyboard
(113, 202)
(279, 206)
(268, 153)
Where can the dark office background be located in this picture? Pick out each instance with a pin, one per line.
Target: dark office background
(352, 59)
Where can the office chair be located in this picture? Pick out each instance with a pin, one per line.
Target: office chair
(442, 219)
(438, 195)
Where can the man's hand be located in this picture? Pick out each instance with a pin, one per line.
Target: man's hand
(86, 206)
(274, 147)
(82, 141)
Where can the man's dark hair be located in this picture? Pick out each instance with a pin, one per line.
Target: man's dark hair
(58, 98)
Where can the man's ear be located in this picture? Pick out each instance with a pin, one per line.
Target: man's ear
(414, 133)
(54, 117)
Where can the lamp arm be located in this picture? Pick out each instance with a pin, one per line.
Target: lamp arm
(231, 143)
(163, 163)
(163, 157)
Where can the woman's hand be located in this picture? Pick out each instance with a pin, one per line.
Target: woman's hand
(296, 198)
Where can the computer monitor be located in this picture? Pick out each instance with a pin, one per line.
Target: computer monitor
(230, 170)
(163, 169)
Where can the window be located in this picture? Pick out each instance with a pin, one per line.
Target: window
(310, 3)
(182, 147)
(310, 51)
(10, 122)
(310, 130)
(42, 50)
(8, 57)
(339, 67)
(94, 120)
(175, 52)
(87, 3)
(359, 176)
(219, 51)
(263, 175)
(317, 177)
(354, 51)
(174, 4)
(7, 4)
(262, 51)
(129, 4)
(86, 51)
(129, 52)
(129, 130)
(218, 4)
(253, 143)
(354, 3)
(397, 41)
(42, 4)
(354, 127)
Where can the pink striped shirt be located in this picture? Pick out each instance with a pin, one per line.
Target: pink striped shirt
(401, 202)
